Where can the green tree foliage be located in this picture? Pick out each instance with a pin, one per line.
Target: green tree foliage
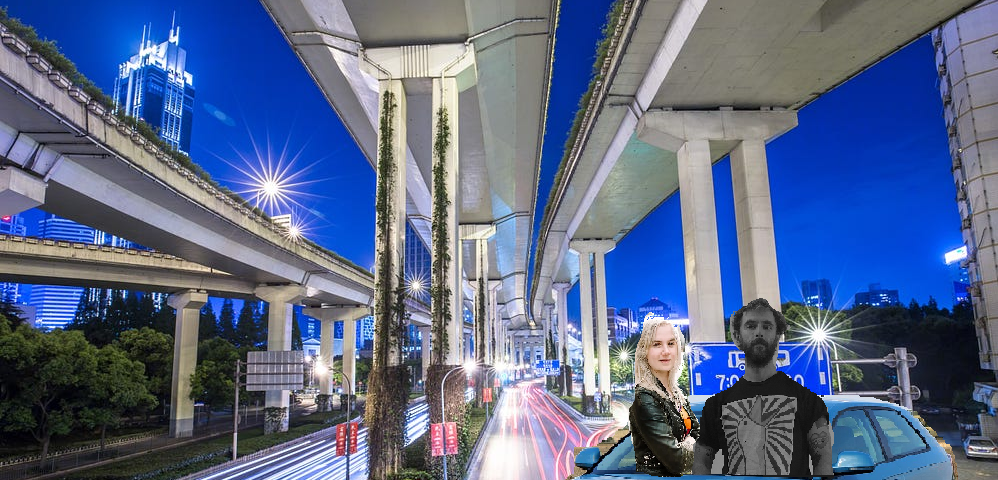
(803, 321)
(246, 325)
(296, 340)
(155, 350)
(207, 323)
(45, 381)
(165, 320)
(117, 386)
(12, 312)
(212, 380)
(227, 321)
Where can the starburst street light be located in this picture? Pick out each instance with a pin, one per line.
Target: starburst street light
(823, 331)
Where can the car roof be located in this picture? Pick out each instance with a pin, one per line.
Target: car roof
(979, 437)
(832, 402)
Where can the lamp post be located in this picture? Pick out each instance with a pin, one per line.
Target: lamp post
(349, 394)
(821, 337)
(470, 367)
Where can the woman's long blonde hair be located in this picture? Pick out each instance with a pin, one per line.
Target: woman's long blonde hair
(643, 375)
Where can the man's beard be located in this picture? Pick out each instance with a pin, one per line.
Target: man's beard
(760, 357)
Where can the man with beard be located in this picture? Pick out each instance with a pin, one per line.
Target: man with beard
(766, 424)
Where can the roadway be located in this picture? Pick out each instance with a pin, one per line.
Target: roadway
(533, 429)
(316, 459)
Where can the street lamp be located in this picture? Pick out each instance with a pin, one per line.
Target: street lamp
(349, 394)
(468, 367)
(820, 336)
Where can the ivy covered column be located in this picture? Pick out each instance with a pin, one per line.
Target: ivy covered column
(388, 380)
(494, 342)
(447, 303)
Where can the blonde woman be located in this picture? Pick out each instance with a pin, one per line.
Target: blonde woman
(663, 427)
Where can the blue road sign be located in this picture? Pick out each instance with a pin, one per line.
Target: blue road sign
(547, 367)
(715, 366)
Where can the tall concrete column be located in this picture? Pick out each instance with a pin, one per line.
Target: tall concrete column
(598, 248)
(349, 314)
(493, 346)
(445, 96)
(279, 315)
(185, 355)
(586, 312)
(754, 222)
(689, 133)
(561, 308)
(392, 245)
(425, 345)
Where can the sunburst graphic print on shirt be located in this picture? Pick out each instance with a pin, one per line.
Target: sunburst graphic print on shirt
(759, 433)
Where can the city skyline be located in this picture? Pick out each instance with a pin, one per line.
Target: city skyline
(844, 182)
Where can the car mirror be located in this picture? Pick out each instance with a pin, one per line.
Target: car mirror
(587, 458)
(850, 462)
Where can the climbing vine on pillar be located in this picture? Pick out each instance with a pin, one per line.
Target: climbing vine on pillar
(388, 381)
(439, 289)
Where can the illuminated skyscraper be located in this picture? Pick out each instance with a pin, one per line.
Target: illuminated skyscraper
(817, 293)
(56, 305)
(155, 86)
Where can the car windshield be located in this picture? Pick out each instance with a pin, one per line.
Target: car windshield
(981, 443)
(620, 459)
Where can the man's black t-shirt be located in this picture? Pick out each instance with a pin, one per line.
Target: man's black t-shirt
(762, 427)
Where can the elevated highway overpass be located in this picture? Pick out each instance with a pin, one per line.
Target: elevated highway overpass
(685, 84)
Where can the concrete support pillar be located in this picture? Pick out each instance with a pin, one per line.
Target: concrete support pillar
(392, 244)
(326, 353)
(425, 343)
(279, 315)
(689, 133)
(561, 309)
(445, 96)
(598, 248)
(586, 312)
(20, 191)
(185, 355)
(349, 314)
(493, 346)
(754, 222)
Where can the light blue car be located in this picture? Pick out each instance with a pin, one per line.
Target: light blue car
(872, 440)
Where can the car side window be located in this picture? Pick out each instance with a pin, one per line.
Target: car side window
(901, 437)
(619, 459)
(853, 431)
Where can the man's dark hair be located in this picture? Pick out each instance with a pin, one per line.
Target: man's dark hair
(758, 304)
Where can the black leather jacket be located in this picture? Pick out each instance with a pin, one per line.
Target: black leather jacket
(656, 430)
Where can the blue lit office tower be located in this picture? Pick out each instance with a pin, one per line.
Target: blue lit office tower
(57, 304)
(877, 297)
(11, 225)
(817, 293)
(155, 86)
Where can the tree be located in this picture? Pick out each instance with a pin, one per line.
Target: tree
(211, 381)
(296, 341)
(226, 322)
(804, 321)
(165, 320)
(246, 325)
(45, 380)
(117, 386)
(155, 350)
(207, 323)
(12, 312)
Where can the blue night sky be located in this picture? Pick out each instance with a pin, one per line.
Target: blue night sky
(861, 189)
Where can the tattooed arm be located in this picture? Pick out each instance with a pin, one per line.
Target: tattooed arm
(819, 441)
(703, 459)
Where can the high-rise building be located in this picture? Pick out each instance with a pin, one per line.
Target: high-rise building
(56, 305)
(155, 86)
(956, 262)
(877, 297)
(968, 79)
(11, 225)
(618, 325)
(817, 293)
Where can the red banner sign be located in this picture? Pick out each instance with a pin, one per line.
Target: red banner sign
(487, 395)
(341, 439)
(496, 383)
(354, 427)
(436, 439)
(450, 437)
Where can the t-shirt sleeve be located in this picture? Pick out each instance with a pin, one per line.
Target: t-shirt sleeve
(710, 424)
(816, 410)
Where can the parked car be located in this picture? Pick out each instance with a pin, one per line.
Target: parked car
(872, 440)
(976, 446)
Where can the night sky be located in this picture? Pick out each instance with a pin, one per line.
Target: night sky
(861, 189)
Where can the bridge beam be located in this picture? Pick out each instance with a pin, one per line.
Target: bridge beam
(185, 357)
(689, 134)
(19, 191)
(279, 315)
(597, 248)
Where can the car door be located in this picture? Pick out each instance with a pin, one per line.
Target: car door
(853, 430)
(907, 446)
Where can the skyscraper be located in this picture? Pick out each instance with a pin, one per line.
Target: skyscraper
(817, 293)
(56, 305)
(155, 86)
(877, 297)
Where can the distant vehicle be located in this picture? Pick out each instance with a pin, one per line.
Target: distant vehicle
(976, 446)
(872, 440)
(928, 410)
